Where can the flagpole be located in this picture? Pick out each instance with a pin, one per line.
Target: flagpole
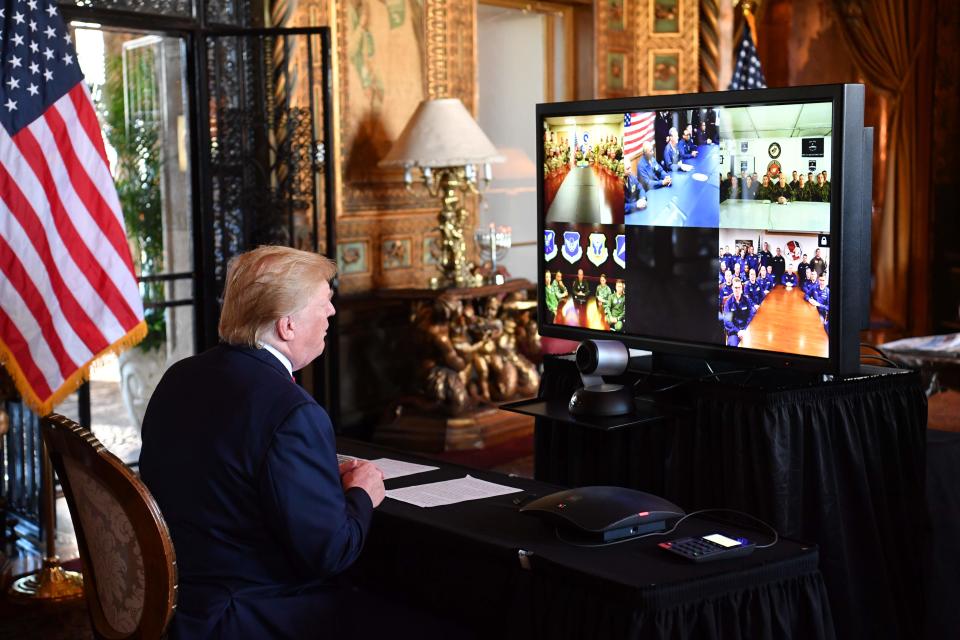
(51, 582)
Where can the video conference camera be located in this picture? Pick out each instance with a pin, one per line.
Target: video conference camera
(595, 359)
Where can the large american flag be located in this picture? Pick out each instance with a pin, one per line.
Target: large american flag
(637, 129)
(67, 287)
(747, 73)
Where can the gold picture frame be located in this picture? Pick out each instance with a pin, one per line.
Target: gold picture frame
(666, 17)
(663, 71)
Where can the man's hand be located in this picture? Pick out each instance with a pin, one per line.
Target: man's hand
(363, 474)
(642, 203)
(666, 181)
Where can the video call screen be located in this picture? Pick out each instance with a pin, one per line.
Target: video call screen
(709, 225)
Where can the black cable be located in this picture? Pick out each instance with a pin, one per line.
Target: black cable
(870, 356)
(873, 346)
(776, 536)
(711, 375)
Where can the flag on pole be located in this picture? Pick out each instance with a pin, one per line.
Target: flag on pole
(68, 292)
(747, 73)
(637, 129)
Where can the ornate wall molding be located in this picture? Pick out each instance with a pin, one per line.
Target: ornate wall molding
(655, 52)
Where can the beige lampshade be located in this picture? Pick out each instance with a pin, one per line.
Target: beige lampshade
(441, 133)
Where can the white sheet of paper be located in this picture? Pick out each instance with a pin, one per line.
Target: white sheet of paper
(436, 494)
(398, 468)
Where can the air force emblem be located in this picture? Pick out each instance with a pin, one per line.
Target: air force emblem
(549, 245)
(620, 254)
(597, 249)
(572, 251)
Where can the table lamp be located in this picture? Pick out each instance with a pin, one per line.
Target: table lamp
(444, 141)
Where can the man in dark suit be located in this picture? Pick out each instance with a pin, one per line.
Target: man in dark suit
(242, 462)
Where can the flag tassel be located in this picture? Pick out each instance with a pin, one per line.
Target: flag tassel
(44, 406)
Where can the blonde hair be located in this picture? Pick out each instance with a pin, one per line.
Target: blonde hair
(265, 285)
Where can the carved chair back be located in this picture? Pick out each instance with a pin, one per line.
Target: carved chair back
(129, 567)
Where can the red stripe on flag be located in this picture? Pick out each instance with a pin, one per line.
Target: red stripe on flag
(88, 119)
(17, 275)
(88, 193)
(21, 352)
(92, 270)
(32, 227)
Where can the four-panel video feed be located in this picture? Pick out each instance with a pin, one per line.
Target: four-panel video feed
(716, 220)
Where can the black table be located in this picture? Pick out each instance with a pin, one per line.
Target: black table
(690, 201)
(841, 464)
(508, 574)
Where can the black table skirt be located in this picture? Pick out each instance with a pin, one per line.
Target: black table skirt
(464, 559)
(840, 464)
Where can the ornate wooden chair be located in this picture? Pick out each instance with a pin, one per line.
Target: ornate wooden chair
(129, 567)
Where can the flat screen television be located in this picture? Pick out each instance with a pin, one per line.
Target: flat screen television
(729, 226)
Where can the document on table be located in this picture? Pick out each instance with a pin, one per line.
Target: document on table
(436, 494)
(399, 468)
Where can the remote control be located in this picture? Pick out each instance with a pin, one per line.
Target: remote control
(715, 546)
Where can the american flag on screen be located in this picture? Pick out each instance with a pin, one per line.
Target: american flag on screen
(67, 287)
(637, 129)
(747, 73)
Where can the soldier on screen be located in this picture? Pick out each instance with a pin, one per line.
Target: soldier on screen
(790, 279)
(820, 298)
(617, 307)
(737, 314)
(754, 290)
(779, 265)
(765, 255)
(634, 195)
(802, 269)
(550, 294)
(818, 264)
(581, 289)
(603, 293)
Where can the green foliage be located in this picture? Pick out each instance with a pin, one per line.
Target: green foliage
(136, 141)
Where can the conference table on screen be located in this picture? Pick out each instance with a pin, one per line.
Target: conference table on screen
(507, 574)
(691, 200)
(812, 217)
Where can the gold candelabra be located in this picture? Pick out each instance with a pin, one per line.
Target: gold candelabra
(450, 184)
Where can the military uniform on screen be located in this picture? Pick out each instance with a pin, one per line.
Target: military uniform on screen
(550, 298)
(633, 191)
(737, 315)
(651, 173)
(823, 190)
(755, 291)
(603, 295)
(616, 311)
(822, 298)
(765, 192)
(581, 290)
(779, 266)
(560, 289)
(819, 265)
(802, 271)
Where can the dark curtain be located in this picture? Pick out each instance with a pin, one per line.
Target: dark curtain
(891, 43)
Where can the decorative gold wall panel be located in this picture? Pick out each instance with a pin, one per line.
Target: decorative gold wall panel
(655, 52)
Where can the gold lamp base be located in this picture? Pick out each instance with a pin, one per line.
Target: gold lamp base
(52, 583)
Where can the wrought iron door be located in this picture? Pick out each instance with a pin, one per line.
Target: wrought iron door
(265, 167)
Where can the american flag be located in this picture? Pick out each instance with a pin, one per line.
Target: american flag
(67, 287)
(637, 129)
(747, 74)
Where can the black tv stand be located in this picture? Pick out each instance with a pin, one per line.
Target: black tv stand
(837, 461)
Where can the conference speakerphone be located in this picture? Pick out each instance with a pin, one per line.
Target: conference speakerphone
(603, 514)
